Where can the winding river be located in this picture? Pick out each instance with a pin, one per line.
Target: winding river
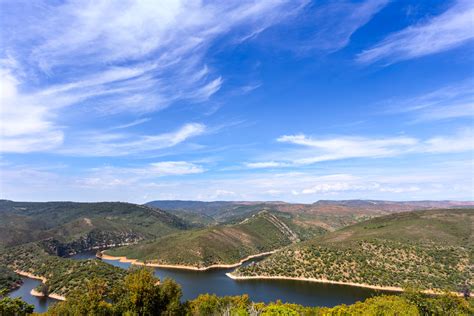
(215, 281)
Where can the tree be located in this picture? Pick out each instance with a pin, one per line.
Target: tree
(138, 293)
(170, 298)
(13, 306)
(91, 300)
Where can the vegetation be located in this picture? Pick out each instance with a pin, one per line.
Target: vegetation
(223, 244)
(329, 215)
(429, 249)
(67, 228)
(8, 279)
(13, 306)
(63, 275)
(140, 294)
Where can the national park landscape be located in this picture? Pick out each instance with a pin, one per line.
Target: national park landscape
(236, 157)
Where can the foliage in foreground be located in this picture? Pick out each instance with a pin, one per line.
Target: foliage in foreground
(140, 293)
(13, 306)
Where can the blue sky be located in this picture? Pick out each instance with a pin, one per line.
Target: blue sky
(236, 100)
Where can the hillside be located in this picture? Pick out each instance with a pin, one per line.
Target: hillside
(62, 275)
(223, 244)
(330, 215)
(68, 227)
(8, 278)
(431, 249)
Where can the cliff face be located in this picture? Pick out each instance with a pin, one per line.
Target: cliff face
(93, 240)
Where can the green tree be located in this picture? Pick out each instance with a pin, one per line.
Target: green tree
(13, 306)
(138, 294)
(89, 301)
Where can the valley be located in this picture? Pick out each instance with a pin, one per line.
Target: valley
(385, 247)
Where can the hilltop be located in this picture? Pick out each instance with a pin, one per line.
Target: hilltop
(222, 244)
(327, 214)
(432, 249)
(68, 227)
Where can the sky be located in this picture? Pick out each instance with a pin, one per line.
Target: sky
(288, 100)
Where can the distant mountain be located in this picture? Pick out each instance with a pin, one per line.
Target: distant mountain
(380, 204)
(327, 214)
(69, 227)
(222, 244)
(216, 209)
(431, 249)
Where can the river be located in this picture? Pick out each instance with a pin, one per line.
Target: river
(215, 281)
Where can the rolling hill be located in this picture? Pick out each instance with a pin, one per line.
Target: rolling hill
(67, 227)
(430, 249)
(222, 244)
(327, 214)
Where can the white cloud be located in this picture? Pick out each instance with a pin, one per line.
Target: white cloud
(462, 110)
(449, 30)
(265, 164)
(349, 147)
(338, 20)
(110, 176)
(25, 125)
(313, 150)
(449, 102)
(109, 58)
(131, 124)
(120, 144)
(461, 142)
(412, 180)
(174, 168)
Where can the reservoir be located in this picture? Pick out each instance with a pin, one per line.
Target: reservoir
(216, 282)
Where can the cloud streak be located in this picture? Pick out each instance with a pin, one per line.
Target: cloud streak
(449, 102)
(315, 150)
(108, 58)
(449, 30)
(122, 144)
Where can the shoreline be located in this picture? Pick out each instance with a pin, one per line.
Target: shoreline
(184, 267)
(362, 285)
(43, 280)
(52, 295)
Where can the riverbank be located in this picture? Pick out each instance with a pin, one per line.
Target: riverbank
(362, 285)
(51, 295)
(184, 267)
(43, 280)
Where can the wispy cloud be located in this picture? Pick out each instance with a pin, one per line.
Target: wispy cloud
(422, 179)
(110, 176)
(451, 29)
(449, 102)
(109, 58)
(265, 164)
(314, 150)
(349, 147)
(122, 144)
(327, 26)
(337, 21)
(131, 124)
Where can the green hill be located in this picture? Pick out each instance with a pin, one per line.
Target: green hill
(330, 215)
(431, 249)
(68, 227)
(63, 275)
(223, 244)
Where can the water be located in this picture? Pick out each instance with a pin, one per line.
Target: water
(41, 303)
(216, 282)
